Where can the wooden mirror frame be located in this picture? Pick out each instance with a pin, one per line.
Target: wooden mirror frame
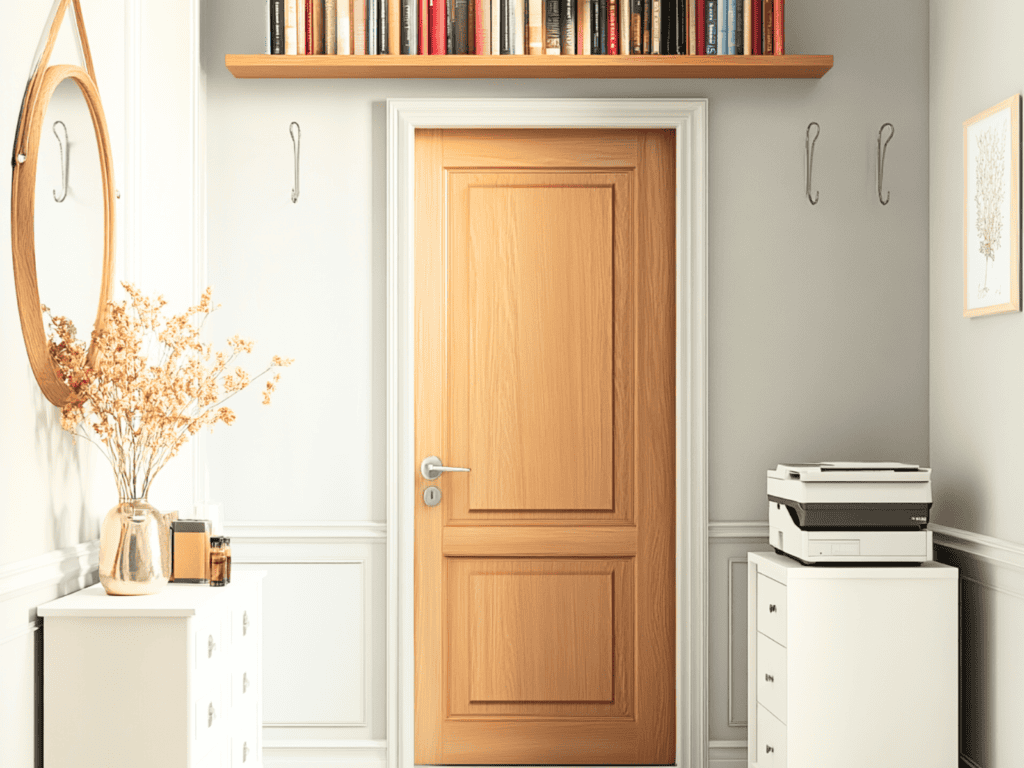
(23, 202)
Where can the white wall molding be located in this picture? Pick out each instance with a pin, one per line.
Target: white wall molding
(356, 530)
(756, 530)
(28, 629)
(734, 720)
(998, 550)
(991, 563)
(342, 753)
(688, 119)
(71, 565)
(727, 754)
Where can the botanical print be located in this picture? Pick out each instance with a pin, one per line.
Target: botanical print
(991, 247)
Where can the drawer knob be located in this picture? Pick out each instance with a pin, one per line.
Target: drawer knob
(245, 623)
(772, 608)
(768, 750)
(211, 646)
(245, 682)
(769, 678)
(245, 751)
(211, 715)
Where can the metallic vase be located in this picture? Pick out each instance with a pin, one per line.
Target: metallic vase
(135, 549)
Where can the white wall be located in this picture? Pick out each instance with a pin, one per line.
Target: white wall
(975, 383)
(819, 341)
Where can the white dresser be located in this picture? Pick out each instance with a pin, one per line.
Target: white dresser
(851, 666)
(163, 681)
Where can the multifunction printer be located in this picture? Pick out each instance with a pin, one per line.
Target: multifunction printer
(850, 512)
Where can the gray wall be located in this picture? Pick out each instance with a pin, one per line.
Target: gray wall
(818, 324)
(977, 447)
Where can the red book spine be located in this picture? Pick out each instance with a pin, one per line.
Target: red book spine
(579, 26)
(438, 28)
(755, 27)
(702, 28)
(309, 26)
(780, 27)
(480, 41)
(613, 27)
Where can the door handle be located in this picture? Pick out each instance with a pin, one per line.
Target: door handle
(431, 468)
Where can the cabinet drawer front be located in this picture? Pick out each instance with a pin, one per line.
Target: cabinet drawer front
(771, 740)
(771, 676)
(211, 716)
(211, 644)
(771, 608)
(244, 628)
(244, 685)
(243, 749)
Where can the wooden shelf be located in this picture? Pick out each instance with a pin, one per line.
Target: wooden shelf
(265, 66)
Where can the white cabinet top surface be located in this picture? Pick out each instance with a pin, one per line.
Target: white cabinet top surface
(783, 568)
(175, 600)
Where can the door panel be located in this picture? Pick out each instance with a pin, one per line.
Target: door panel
(545, 359)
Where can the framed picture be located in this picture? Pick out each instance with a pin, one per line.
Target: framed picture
(992, 210)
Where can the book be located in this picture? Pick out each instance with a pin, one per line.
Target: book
(383, 28)
(613, 27)
(668, 27)
(495, 27)
(682, 31)
(519, 30)
(755, 27)
(568, 27)
(748, 38)
(700, 24)
(290, 27)
(536, 27)
(552, 28)
(461, 27)
(602, 27)
(583, 27)
(422, 14)
(731, 29)
(407, 36)
(723, 26)
(482, 42)
(779, 28)
(739, 32)
(767, 18)
(691, 27)
(623, 11)
(435, 27)
(636, 22)
(331, 26)
(357, 10)
(300, 27)
(711, 27)
(315, 27)
(655, 27)
(276, 28)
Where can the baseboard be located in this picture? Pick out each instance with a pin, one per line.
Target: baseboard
(324, 754)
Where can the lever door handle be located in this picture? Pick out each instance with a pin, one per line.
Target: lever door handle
(431, 468)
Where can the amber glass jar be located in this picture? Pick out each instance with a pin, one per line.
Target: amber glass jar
(220, 561)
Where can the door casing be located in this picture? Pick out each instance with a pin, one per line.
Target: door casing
(688, 118)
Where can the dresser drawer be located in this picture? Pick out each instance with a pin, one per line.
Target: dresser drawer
(771, 676)
(211, 725)
(210, 643)
(244, 746)
(244, 630)
(771, 740)
(771, 608)
(244, 685)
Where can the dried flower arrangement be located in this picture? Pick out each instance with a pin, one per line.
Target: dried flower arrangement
(154, 386)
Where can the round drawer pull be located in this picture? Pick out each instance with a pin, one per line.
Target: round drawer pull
(211, 646)
(772, 608)
(768, 750)
(769, 678)
(245, 682)
(211, 715)
(245, 623)
(245, 751)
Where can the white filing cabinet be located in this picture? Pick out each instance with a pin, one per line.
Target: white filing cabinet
(171, 680)
(851, 666)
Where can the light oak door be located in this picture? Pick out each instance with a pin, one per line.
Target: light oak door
(545, 364)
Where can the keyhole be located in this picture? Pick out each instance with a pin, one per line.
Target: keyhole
(432, 496)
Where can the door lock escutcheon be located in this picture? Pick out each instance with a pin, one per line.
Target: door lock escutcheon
(431, 495)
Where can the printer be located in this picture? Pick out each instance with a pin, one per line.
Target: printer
(850, 512)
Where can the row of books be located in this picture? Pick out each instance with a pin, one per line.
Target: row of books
(495, 27)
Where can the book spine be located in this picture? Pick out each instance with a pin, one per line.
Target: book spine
(407, 38)
(449, 26)
(395, 26)
(372, 20)
(422, 14)
(691, 27)
(357, 10)
(552, 33)
(602, 27)
(712, 27)
(277, 27)
(645, 29)
(471, 32)
(482, 36)
(495, 27)
(779, 28)
(290, 28)
(655, 27)
(755, 27)
(581, 12)
(519, 30)
(636, 21)
(668, 24)
(583, 34)
(723, 26)
(730, 31)
(569, 27)
(701, 27)
(613, 27)
(505, 38)
(624, 31)
(767, 15)
(300, 27)
(681, 29)
(748, 38)
(331, 26)
(316, 35)
(461, 27)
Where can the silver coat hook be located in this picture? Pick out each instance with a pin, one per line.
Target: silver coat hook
(881, 159)
(809, 147)
(296, 135)
(64, 158)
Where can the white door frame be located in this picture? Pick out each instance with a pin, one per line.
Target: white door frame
(688, 118)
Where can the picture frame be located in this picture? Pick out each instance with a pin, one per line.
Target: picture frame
(992, 212)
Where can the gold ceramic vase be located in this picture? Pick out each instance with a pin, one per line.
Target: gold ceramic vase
(135, 549)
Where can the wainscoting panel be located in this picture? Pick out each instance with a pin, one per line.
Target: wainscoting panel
(991, 628)
(323, 639)
(727, 634)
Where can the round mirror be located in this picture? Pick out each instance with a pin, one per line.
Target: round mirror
(63, 216)
(69, 210)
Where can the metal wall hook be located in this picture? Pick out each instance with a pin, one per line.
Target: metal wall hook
(64, 158)
(809, 147)
(881, 159)
(296, 135)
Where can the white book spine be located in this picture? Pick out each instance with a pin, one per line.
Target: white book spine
(291, 35)
(344, 28)
(300, 26)
(518, 30)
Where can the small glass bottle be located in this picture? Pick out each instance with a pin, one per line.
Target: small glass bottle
(220, 561)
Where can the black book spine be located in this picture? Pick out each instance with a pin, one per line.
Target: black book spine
(462, 26)
(450, 25)
(740, 21)
(277, 26)
(505, 36)
(371, 27)
(682, 28)
(569, 27)
(382, 25)
(602, 6)
(552, 26)
(408, 34)
(636, 26)
(712, 27)
(595, 28)
(668, 26)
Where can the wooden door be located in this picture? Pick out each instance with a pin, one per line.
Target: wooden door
(545, 359)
